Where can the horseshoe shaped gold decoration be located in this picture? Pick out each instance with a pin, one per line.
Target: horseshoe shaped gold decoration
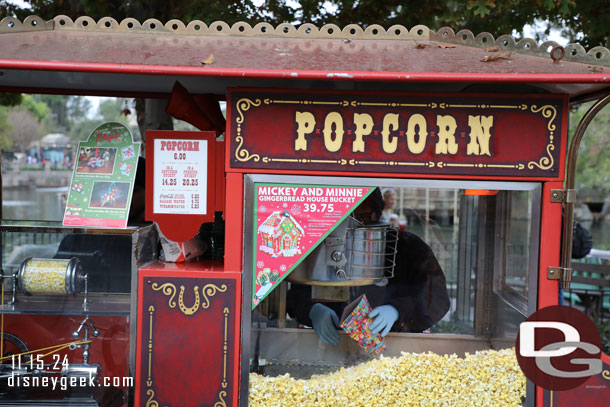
(183, 308)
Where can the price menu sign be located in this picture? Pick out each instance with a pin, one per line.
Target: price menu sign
(181, 167)
(180, 176)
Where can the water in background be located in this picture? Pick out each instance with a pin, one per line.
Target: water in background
(49, 204)
(601, 234)
(34, 204)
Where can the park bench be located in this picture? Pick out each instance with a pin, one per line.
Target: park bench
(590, 287)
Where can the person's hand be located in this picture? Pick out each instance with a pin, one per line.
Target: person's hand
(325, 322)
(385, 316)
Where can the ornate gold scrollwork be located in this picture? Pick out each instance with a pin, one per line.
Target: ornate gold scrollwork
(243, 154)
(167, 289)
(151, 402)
(183, 308)
(606, 374)
(222, 402)
(548, 112)
(545, 162)
(243, 105)
(211, 289)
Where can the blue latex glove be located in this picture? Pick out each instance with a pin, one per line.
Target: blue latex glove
(325, 322)
(385, 316)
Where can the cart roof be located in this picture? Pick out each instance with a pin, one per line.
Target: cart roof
(108, 57)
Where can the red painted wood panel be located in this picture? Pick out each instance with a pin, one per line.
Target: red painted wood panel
(188, 335)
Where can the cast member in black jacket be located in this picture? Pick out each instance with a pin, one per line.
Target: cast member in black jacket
(412, 301)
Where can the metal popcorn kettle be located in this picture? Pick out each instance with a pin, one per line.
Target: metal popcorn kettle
(352, 254)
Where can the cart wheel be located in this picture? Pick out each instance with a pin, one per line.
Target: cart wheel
(12, 345)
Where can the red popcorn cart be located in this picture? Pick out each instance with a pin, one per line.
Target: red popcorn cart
(407, 167)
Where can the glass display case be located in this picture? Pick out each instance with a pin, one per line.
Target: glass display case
(483, 236)
(69, 310)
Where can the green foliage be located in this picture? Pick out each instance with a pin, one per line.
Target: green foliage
(5, 129)
(40, 110)
(80, 131)
(604, 331)
(208, 11)
(10, 99)
(450, 327)
(77, 108)
(57, 121)
(593, 162)
(58, 113)
(481, 7)
(110, 110)
(122, 111)
(180, 125)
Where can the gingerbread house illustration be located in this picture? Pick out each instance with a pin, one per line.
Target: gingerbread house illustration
(280, 234)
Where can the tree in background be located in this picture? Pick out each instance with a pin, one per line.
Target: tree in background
(6, 100)
(39, 110)
(5, 129)
(25, 129)
(593, 163)
(119, 110)
(150, 113)
(63, 111)
(28, 122)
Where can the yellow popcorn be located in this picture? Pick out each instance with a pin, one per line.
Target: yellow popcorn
(488, 378)
(45, 276)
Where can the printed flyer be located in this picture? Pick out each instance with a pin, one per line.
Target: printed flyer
(291, 221)
(103, 177)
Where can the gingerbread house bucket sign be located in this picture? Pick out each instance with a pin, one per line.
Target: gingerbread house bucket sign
(291, 221)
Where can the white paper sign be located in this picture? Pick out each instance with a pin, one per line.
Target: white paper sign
(180, 176)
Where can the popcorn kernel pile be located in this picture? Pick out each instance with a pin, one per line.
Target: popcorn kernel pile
(488, 378)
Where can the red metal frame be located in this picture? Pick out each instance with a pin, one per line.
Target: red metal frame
(300, 74)
(219, 175)
(234, 216)
(550, 244)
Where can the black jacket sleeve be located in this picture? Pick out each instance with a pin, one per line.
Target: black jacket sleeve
(299, 303)
(418, 290)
